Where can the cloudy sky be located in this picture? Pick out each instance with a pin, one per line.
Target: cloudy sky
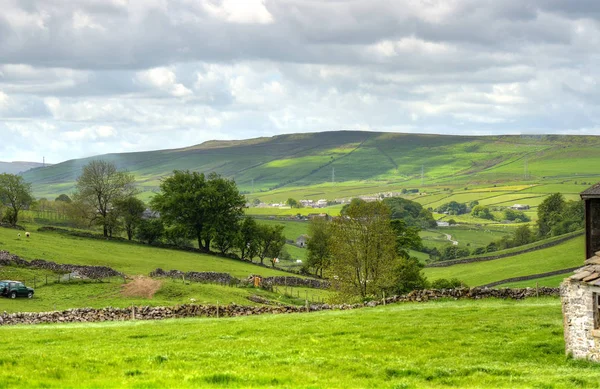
(86, 77)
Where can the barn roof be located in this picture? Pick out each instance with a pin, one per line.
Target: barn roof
(593, 191)
(590, 273)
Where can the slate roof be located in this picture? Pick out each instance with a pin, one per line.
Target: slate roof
(590, 273)
(593, 191)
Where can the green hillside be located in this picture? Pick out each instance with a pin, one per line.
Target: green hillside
(562, 256)
(361, 162)
(126, 257)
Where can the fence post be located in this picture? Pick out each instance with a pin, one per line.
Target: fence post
(132, 311)
(537, 289)
(217, 309)
(384, 298)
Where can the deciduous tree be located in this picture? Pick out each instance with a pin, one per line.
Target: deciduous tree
(247, 239)
(15, 194)
(318, 246)
(205, 206)
(130, 210)
(550, 213)
(364, 249)
(99, 187)
(270, 241)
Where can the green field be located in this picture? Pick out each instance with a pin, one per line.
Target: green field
(552, 281)
(465, 344)
(109, 292)
(562, 256)
(126, 257)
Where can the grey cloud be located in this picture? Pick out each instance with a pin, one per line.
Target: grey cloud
(155, 74)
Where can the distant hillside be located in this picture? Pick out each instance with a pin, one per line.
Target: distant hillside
(17, 167)
(366, 159)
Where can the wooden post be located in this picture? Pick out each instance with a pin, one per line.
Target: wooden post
(384, 298)
(537, 289)
(307, 307)
(132, 311)
(217, 309)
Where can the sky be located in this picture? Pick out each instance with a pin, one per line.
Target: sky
(87, 77)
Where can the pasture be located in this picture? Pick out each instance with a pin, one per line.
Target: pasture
(506, 344)
(562, 256)
(128, 257)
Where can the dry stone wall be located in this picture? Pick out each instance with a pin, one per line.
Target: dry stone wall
(296, 282)
(192, 310)
(226, 278)
(207, 276)
(95, 272)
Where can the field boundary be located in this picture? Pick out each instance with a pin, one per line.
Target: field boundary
(78, 315)
(531, 277)
(506, 255)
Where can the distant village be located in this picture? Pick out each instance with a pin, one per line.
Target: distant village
(321, 203)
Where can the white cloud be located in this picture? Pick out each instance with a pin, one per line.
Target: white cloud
(239, 11)
(165, 80)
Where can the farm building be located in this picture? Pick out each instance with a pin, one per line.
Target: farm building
(301, 240)
(520, 207)
(580, 293)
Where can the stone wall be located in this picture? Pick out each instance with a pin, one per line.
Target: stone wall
(498, 256)
(530, 277)
(192, 310)
(579, 311)
(95, 272)
(226, 278)
(296, 282)
(206, 276)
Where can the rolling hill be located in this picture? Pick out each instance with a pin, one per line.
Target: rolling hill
(17, 167)
(358, 162)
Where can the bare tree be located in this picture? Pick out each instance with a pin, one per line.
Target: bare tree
(99, 188)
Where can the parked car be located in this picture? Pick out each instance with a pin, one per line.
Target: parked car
(14, 289)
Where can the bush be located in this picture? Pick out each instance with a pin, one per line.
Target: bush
(444, 283)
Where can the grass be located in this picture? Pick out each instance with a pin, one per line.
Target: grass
(561, 256)
(127, 257)
(466, 344)
(552, 281)
(77, 293)
(465, 235)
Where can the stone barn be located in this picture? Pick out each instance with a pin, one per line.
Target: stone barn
(580, 293)
(302, 240)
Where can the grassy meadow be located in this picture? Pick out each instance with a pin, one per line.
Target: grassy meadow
(127, 257)
(562, 256)
(466, 344)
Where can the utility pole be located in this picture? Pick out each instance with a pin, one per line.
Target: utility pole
(43, 161)
(332, 175)
(422, 175)
(253, 185)
(526, 172)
